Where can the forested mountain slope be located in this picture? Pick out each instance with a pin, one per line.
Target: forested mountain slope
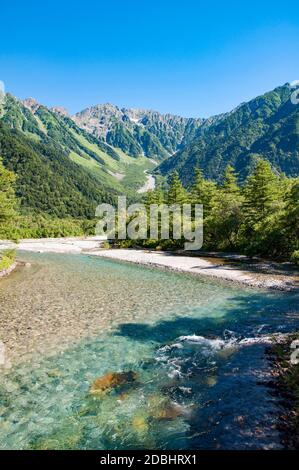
(267, 126)
(47, 180)
(53, 135)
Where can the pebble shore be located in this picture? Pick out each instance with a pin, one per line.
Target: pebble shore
(203, 267)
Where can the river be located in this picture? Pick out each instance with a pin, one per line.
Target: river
(149, 184)
(201, 373)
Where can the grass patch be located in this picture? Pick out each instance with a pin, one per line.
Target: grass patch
(7, 258)
(113, 164)
(132, 169)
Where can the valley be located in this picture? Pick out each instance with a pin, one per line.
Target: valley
(149, 233)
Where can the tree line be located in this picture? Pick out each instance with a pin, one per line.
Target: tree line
(261, 217)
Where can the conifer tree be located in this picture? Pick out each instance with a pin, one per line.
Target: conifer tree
(7, 195)
(260, 193)
(176, 192)
(292, 218)
(230, 181)
(203, 192)
(155, 196)
(226, 217)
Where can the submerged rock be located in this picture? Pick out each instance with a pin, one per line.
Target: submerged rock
(161, 408)
(140, 425)
(112, 380)
(66, 437)
(170, 411)
(55, 373)
(211, 380)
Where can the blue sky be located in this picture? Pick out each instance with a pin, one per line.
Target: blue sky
(186, 57)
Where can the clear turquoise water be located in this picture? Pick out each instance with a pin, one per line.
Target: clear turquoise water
(74, 318)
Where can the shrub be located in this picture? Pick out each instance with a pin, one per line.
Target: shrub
(7, 258)
(295, 257)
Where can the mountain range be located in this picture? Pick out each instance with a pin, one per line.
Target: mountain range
(267, 127)
(65, 164)
(139, 131)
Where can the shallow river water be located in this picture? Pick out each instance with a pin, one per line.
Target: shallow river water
(194, 346)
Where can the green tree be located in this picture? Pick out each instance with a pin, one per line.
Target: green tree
(263, 210)
(8, 200)
(203, 192)
(260, 193)
(291, 222)
(155, 196)
(230, 181)
(176, 192)
(225, 217)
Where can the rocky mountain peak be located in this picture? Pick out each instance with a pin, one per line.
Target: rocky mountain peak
(31, 104)
(60, 110)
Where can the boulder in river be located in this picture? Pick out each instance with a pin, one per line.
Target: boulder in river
(140, 424)
(161, 408)
(171, 411)
(112, 380)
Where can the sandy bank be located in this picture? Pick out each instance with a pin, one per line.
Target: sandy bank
(56, 245)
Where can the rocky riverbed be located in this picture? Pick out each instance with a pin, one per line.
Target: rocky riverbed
(285, 384)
